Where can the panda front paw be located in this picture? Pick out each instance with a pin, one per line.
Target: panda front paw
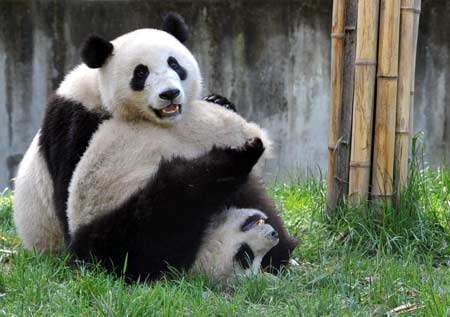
(221, 101)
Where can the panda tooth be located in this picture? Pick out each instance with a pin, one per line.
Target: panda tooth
(170, 109)
(260, 222)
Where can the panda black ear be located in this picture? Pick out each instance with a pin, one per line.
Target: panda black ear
(175, 25)
(95, 51)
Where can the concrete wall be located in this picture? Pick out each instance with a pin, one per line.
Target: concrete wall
(432, 89)
(271, 57)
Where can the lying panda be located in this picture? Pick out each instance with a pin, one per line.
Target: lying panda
(93, 175)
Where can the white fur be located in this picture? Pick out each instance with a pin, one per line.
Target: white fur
(34, 212)
(81, 85)
(123, 156)
(223, 239)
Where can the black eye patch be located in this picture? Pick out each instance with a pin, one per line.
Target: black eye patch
(173, 63)
(140, 74)
(250, 222)
(245, 256)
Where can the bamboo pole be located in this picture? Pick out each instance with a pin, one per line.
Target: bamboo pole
(386, 103)
(417, 6)
(402, 130)
(341, 164)
(337, 56)
(363, 100)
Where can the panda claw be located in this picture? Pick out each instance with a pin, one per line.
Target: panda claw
(221, 101)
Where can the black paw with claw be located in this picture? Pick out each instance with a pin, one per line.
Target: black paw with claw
(221, 101)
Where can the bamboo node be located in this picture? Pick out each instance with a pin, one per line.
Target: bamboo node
(402, 132)
(350, 28)
(360, 164)
(380, 195)
(359, 61)
(387, 76)
(338, 35)
(409, 8)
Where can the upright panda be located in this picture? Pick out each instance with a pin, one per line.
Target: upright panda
(95, 166)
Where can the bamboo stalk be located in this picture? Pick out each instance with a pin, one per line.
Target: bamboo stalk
(365, 71)
(341, 164)
(402, 132)
(337, 56)
(417, 6)
(386, 103)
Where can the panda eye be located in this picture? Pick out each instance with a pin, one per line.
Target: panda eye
(141, 71)
(140, 74)
(173, 63)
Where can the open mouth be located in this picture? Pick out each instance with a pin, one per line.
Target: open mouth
(170, 111)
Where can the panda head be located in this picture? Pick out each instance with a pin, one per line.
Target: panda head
(252, 239)
(146, 74)
(235, 244)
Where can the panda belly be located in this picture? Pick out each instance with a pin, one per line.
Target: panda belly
(34, 211)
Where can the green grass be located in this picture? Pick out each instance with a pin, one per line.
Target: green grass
(347, 267)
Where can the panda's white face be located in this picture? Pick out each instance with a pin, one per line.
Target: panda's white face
(235, 243)
(150, 76)
(251, 238)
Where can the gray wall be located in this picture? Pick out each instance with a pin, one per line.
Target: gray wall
(271, 57)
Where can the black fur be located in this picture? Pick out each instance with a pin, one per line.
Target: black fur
(245, 256)
(221, 101)
(66, 130)
(95, 51)
(162, 225)
(249, 222)
(140, 74)
(180, 70)
(174, 24)
(254, 195)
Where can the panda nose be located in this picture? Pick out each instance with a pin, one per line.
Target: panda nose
(170, 94)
